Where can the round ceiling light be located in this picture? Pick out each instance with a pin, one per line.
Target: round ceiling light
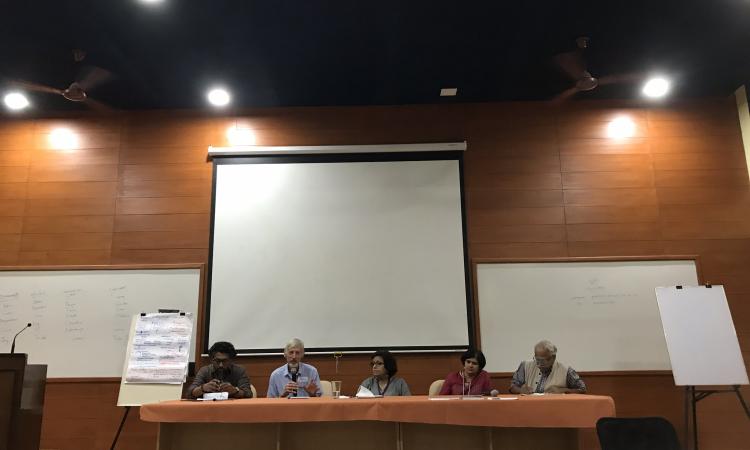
(16, 101)
(218, 97)
(656, 87)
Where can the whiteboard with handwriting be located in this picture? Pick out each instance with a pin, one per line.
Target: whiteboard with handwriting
(81, 318)
(602, 315)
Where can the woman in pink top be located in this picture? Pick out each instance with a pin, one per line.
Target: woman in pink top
(472, 380)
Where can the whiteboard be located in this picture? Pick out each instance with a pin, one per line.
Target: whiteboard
(338, 252)
(701, 338)
(602, 315)
(81, 318)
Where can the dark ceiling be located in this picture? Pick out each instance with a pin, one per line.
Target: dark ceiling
(352, 52)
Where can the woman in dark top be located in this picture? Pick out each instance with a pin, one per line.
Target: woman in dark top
(384, 380)
(471, 380)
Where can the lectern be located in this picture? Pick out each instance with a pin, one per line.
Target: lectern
(22, 388)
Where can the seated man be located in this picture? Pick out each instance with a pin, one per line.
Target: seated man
(221, 375)
(544, 374)
(294, 378)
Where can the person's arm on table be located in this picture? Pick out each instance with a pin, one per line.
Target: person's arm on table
(575, 383)
(202, 383)
(518, 382)
(485, 385)
(242, 390)
(447, 383)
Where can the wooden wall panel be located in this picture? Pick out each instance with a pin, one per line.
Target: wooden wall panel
(68, 224)
(162, 222)
(611, 197)
(611, 214)
(165, 205)
(14, 174)
(12, 207)
(13, 190)
(540, 182)
(11, 225)
(690, 178)
(68, 190)
(70, 206)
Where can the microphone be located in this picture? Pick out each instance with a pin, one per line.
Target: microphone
(13, 345)
(293, 371)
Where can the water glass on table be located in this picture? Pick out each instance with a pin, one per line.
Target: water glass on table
(336, 388)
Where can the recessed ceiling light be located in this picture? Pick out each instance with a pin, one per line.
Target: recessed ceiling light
(16, 101)
(150, 2)
(218, 97)
(656, 87)
(448, 92)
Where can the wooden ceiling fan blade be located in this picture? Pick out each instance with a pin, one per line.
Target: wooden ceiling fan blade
(96, 105)
(92, 77)
(572, 64)
(35, 87)
(564, 95)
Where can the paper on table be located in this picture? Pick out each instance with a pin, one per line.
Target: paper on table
(210, 396)
(363, 392)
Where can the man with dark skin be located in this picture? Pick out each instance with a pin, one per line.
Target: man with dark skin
(222, 375)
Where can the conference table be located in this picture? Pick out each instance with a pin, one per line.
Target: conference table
(399, 423)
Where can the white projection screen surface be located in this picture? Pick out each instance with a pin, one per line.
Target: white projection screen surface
(353, 255)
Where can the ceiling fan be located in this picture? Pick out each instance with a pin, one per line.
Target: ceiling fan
(78, 90)
(574, 66)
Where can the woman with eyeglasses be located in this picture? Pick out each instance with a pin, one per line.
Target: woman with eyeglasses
(471, 380)
(384, 380)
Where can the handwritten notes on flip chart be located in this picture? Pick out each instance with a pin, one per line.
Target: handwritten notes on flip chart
(160, 349)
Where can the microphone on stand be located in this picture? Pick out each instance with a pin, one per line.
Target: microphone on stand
(13, 345)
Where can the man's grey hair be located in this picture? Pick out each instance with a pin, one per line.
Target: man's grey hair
(295, 343)
(546, 345)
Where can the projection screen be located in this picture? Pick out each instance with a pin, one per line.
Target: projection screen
(347, 252)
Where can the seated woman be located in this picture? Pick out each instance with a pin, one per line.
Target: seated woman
(472, 380)
(384, 380)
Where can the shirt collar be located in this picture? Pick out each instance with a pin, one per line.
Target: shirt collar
(299, 371)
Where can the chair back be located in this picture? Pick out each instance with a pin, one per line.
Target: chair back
(327, 388)
(636, 433)
(435, 387)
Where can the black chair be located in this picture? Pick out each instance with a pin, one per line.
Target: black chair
(636, 433)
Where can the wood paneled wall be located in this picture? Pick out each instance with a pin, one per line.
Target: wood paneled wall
(540, 182)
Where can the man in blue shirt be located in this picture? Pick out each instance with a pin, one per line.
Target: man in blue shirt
(295, 378)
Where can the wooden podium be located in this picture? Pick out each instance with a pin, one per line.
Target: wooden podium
(22, 389)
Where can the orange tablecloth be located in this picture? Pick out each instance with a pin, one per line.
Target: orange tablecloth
(549, 411)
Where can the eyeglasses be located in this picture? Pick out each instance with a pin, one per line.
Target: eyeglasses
(376, 363)
(221, 361)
